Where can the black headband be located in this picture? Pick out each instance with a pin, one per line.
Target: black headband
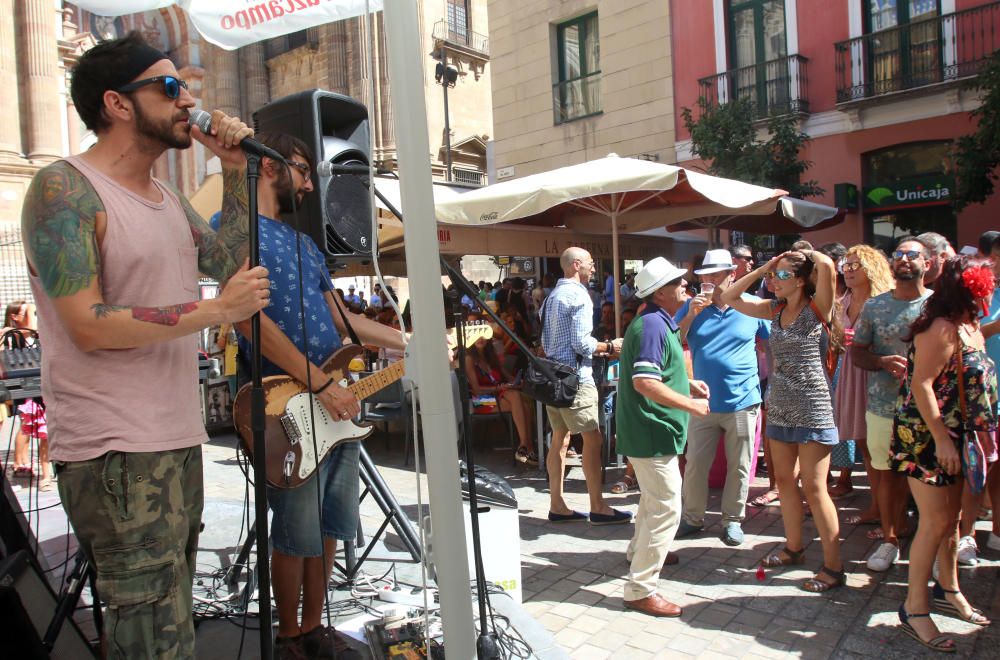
(141, 58)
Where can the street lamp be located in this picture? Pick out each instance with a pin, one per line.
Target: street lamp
(446, 75)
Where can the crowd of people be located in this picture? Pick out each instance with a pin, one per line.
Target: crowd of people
(827, 352)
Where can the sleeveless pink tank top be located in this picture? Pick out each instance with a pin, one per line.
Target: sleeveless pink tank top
(138, 399)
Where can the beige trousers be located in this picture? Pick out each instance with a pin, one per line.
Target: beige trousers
(655, 523)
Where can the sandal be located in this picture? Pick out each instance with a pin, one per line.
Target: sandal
(838, 493)
(858, 519)
(45, 485)
(526, 456)
(878, 535)
(628, 483)
(942, 643)
(976, 617)
(775, 560)
(817, 586)
(764, 498)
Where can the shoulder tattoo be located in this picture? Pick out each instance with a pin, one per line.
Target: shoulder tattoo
(58, 225)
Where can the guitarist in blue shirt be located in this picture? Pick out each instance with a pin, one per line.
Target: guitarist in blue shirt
(305, 541)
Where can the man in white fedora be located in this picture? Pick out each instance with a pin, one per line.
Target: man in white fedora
(654, 401)
(723, 345)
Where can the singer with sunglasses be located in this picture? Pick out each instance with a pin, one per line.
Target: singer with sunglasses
(114, 256)
(800, 424)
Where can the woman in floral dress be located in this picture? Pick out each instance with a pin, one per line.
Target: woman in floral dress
(928, 426)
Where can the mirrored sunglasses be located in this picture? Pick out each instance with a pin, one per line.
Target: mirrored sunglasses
(849, 266)
(780, 274)
(171, 85)
(898, 255)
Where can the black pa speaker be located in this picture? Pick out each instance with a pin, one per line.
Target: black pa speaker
(27, 605)
(337, 216)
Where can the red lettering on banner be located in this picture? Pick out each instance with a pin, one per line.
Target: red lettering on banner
(260, 14)
(242, 19)
(276, 9)
(444, 235)
(301, 4)
(231, 25)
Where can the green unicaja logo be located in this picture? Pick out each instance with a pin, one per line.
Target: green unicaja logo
(878, 195)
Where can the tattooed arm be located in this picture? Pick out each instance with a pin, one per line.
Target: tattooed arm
(221, 253)
(62, 223)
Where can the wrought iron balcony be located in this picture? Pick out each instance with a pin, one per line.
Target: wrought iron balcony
(577, 98)
(776, 87)
(470, 177)
(455, 35)
(935, 50)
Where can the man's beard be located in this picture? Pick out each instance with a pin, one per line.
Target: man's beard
(912, 274)
(288, 200)
(162, 133)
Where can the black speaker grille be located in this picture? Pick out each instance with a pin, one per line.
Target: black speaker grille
(347, 213)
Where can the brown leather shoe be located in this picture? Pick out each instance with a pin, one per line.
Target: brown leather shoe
(654, 605)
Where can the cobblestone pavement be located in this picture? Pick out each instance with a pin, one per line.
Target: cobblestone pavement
(572, 574)
(573, 577)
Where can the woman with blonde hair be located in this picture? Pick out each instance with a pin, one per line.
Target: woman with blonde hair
(866, 273)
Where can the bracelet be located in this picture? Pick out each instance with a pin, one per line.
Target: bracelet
(328, 384)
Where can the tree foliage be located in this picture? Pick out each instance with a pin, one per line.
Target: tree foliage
(977, 156)
(725, 136)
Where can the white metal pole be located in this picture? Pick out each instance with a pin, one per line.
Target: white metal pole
(427, 345)
(614, 256)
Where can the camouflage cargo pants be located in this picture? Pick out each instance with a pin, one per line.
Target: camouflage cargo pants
(137, 516)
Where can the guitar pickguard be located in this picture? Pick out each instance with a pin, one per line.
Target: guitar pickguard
(298, 424)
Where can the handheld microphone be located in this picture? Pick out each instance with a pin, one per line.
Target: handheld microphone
(203, 121)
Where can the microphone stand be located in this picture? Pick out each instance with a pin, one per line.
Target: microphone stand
(257, 423)
(487, 647)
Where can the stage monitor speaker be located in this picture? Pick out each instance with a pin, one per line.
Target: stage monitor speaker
(27, 605)
(335, 127)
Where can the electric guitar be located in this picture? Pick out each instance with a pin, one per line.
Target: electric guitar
(290, 459)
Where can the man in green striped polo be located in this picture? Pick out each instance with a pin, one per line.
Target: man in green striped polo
(655, 398)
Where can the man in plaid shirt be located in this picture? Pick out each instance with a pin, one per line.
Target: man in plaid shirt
(567, 322)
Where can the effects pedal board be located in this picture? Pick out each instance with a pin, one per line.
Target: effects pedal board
(403, 637)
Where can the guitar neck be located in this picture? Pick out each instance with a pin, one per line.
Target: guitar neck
(378, 381)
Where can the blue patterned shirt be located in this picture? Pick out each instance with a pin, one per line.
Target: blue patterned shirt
(568, 316)
(279, 255)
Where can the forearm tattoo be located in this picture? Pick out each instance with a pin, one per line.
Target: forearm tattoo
(221, 253)
(169, 315)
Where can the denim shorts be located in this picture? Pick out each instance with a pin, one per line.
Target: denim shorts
(296, 525)
(799, 435)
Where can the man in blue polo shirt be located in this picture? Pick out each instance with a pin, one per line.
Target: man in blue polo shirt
(723, 345)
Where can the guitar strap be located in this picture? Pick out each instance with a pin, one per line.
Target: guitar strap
(347, 324)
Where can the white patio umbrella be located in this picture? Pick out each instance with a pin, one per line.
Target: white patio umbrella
(790, 216)
(609, 194)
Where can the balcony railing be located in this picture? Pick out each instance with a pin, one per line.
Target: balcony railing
(776, 87)
(470, 177)
(577, 98)
(459, 35)
(935, 50)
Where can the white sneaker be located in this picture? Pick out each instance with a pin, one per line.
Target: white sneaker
(967, 551)
(883, 558)
(994, 542)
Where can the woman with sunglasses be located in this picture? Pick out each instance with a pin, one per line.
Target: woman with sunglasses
(949, 390)
(866, 273)
(800, 423)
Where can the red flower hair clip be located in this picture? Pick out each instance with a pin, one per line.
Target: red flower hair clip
(979, 282)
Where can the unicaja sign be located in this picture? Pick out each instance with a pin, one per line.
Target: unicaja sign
(909, 193)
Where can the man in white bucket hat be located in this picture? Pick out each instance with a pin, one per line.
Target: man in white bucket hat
(654, 401)
(723, 345)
